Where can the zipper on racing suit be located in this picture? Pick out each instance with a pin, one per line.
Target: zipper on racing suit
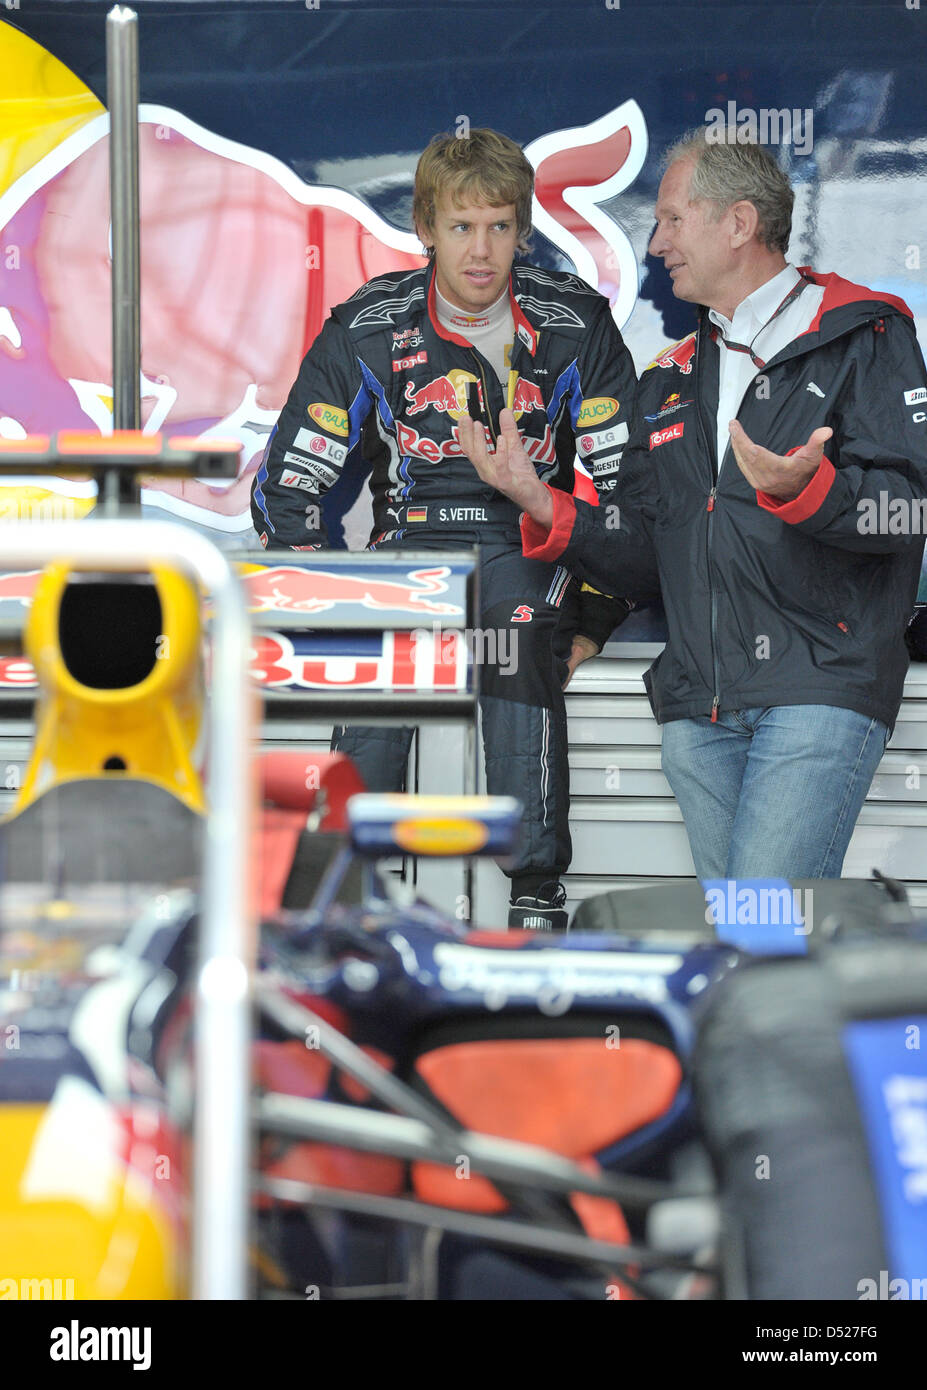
(710, 507)
(486, 403)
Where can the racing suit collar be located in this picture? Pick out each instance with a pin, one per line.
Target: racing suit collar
(524, 330)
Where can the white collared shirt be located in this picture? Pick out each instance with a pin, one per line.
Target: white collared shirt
(737, 369)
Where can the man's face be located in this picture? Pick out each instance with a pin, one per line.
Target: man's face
(474, 249)
(694, 246)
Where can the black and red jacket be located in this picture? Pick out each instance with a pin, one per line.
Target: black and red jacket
(770, 603)
(385, 377)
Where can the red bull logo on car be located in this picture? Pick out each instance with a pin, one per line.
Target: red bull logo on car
(19, 587)
(419, 661)
(294, 590)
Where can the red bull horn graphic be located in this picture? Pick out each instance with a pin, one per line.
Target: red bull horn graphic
(220, 349)
(315, 591)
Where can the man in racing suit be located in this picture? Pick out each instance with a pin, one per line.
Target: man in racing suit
(391, 372)
(788, 567)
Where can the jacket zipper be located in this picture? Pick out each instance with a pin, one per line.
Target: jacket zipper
(710, 508)
(486, 405)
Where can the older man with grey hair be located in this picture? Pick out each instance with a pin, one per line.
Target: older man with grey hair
(764, 445)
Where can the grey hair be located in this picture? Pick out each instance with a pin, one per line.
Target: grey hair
(727, 170)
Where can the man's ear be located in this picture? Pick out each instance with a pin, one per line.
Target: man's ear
(746, 220)
(425, 236)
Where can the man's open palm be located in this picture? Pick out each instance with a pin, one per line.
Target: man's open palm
(780, 475)
(509, 470)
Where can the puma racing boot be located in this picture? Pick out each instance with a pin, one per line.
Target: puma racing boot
(543, 911)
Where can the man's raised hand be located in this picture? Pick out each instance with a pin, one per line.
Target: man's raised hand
(508, 470)
(782, 476)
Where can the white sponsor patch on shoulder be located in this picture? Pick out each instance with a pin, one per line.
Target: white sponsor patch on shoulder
(916, 396)
(319, 446)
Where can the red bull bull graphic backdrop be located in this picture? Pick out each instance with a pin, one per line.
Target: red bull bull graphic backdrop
(277, 156)
(220, 348)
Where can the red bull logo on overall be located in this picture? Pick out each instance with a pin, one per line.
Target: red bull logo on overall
(444, 394)
(527, 397)
(294, 590)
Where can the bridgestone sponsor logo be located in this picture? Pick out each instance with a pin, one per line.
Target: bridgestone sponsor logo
(318, 470)
(915, 397)
(606, 465)
(319, 446)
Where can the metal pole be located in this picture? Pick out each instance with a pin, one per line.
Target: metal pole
(222, 1046)
(122, 98)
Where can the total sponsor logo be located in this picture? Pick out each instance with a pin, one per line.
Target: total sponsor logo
(669, 407)
(405, 364)
(321, 446)
(664, 436)
(330, 417)
(603, 439)
(595, 411)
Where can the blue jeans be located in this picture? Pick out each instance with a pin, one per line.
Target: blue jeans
(772, 793)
